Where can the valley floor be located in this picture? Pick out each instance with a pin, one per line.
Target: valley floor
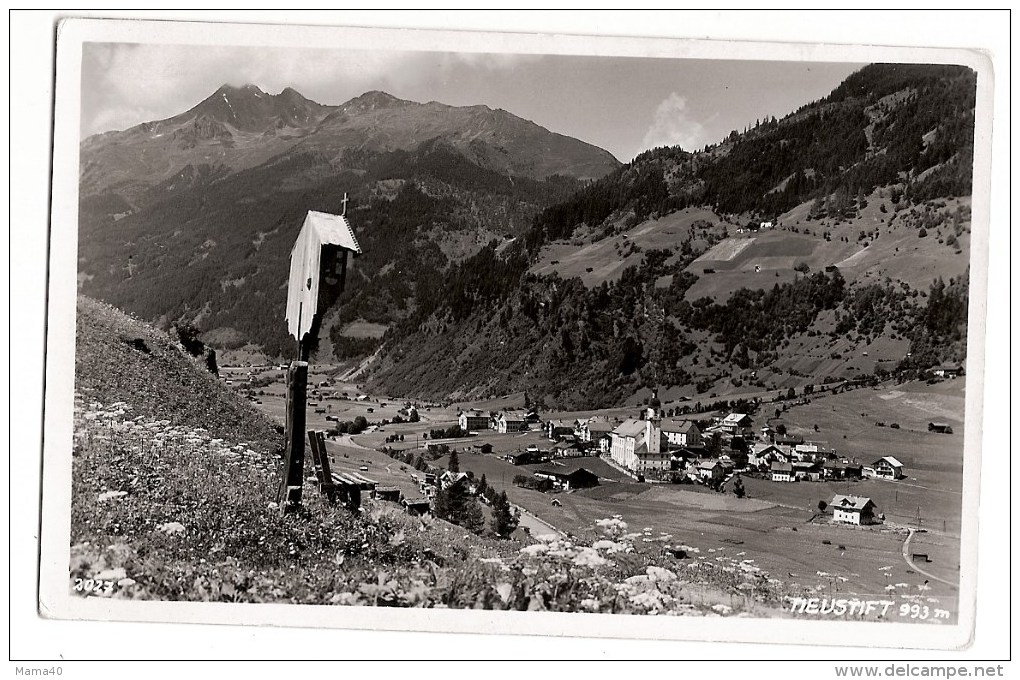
(776, 528)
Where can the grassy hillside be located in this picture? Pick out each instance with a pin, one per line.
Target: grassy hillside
(173, 483)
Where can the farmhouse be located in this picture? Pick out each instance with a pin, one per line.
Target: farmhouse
(809, 470)
(888, 467)
(950, 371)
(472, 421)
(681, 432)
(782, 472)
(765, 454)
(841, 469)
(710, 471)
(448, 479)
(511, 421)
(566, 448)
(853, 509)
(598, 431)
(787, 440)
(557, 429)
(941, 428)
(569, 478)
(520, 458)
(736, 424)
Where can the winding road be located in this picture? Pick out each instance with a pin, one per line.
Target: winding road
(913, 565)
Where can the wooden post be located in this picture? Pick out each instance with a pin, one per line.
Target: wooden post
(294, 458)
(320, 457)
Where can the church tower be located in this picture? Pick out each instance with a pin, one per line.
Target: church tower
(653, 431)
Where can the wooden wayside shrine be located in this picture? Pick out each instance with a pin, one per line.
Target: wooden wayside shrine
(318, 272)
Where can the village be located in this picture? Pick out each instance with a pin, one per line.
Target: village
(710, 449)
(842, 487)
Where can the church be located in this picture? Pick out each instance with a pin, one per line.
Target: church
(640, 445)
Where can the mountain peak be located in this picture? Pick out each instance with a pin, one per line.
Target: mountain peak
(372, 101)
(247, 88)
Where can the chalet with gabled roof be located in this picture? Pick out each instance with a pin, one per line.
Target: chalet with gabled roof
(681, 432)
(736, 423)
(781, 472)
(888, 467)
(948, 370)
(853, 509)
(558, 429)
(763, 455)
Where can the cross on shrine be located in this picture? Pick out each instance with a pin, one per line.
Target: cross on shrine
(344, 211)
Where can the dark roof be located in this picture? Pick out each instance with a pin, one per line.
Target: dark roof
(673, 425)
(851, 502)
(565, 470)
(782, 467)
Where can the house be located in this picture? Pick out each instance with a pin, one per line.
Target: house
(521, 458)
(598, 431)
(710, 471)
(557, 429)
(681, 432)
(782, 472)
(841, 469)
(788, 440)
(950, 371)
(736, 423)
(805, 451)
(806, 470)
(511, 421)
(566, 448)
(532, 417)
(941, 428)
(568, 478)
(473, 420)
(763, 455)
(448, 479)
(483, 448)
(888, 467)
(852, 509)
(416, 506)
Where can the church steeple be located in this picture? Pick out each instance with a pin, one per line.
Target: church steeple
(653, 433)
(654, 407)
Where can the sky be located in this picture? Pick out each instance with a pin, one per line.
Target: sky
(623, 104)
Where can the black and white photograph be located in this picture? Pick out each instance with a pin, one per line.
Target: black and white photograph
(528, 334)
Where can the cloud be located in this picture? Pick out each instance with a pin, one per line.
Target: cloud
(126, 84)
(674, 126)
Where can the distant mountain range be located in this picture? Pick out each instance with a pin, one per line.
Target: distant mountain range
(192, 218)
(237, 128)
(501, 257)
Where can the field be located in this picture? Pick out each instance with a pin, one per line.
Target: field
(776, 528)
(893, 250)
(608, 257)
